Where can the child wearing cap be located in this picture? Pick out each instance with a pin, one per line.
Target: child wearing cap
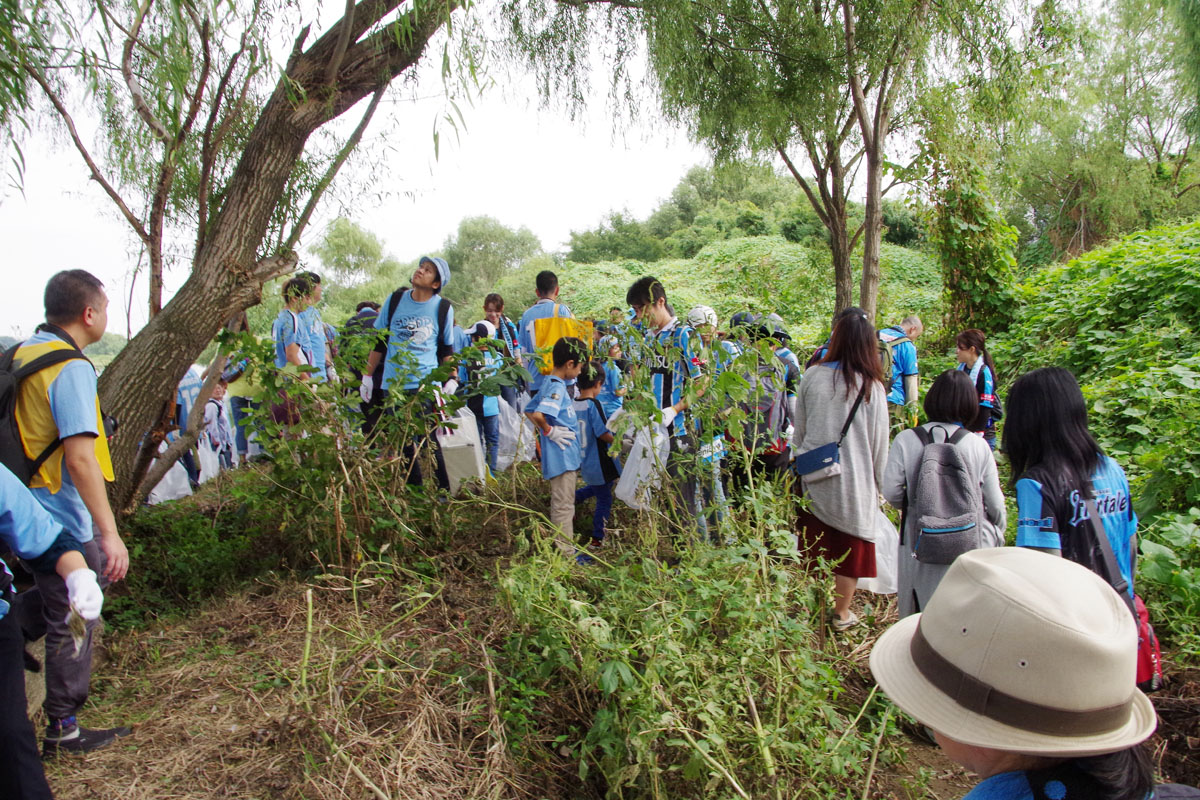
(599, 469)
(552, 413)
(1023, 666)
(611, 393)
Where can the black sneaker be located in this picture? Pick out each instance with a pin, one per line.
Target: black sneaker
(78, 739)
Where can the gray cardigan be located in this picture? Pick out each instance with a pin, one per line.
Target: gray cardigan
(848, 502)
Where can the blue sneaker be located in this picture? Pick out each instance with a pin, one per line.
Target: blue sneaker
(584, 560)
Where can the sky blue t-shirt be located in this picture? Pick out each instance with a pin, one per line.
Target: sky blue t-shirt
(1006, 786)
(591, 425)
(73, 406)
(1052, 516)
(542, 309)
(312, 331)
(414, 330)
(25, 526)
(608, 392)
(672, 358)
(904, 362)
(559, 409)
(287, 330)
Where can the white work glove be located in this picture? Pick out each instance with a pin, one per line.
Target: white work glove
(83, 590)
(450, 387)
(668, 416)
(561, 436)
(331, 374)
(367, 388)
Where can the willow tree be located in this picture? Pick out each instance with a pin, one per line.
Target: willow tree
(206, 154)
(822, 85)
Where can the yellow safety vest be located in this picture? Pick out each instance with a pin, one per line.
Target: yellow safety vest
(36, 422)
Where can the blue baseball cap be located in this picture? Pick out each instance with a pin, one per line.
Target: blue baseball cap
(443, 269)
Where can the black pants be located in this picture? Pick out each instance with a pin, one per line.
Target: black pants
(21, 777)
(422, 441)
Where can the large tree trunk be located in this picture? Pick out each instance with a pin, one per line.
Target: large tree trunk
(872, 235)
(227, 276)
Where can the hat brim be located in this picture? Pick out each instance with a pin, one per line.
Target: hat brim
(899, 677)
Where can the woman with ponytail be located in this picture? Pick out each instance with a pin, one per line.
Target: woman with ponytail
(974, 359)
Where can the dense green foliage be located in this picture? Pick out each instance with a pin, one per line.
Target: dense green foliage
(1126, 320)
(708, 679)
(976, 250)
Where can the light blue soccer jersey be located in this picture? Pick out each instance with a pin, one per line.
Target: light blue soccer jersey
(553, 401)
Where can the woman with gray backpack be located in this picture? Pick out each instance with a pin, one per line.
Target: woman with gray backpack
(945, 483)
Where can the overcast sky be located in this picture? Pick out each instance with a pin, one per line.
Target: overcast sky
(517, 163)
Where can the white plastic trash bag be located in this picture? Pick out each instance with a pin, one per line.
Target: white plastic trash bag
(644, 467)
(173, 486)
(518, 439)
(887, 554)
(207, 459)
(462, 451)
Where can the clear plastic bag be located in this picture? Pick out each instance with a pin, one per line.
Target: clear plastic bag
(462, 451)
(518, 439)
(887, 556)
(644, 467)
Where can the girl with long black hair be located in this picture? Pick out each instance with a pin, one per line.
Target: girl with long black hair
(1061, 475)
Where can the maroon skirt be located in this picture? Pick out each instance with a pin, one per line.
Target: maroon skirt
(852, 557)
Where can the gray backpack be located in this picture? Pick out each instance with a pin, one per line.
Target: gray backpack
(945, 500)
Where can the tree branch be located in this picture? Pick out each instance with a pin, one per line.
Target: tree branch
(135, 91)
(856, 92)
(332, 171)
(335, 61)
(210, 143)
(187, 437)
(133, 221)
(812, 198)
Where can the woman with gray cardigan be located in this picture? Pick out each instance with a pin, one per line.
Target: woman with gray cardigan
(843, 502)
(952, 403)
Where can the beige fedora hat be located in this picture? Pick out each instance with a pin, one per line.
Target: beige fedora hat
(1020, 651)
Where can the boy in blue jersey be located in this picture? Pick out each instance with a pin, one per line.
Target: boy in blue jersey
(904, 392)
(291, 344)
(599, 469)
(58, 412)
(419, 335)
(547, 305)
(47, 548)
(552, 413)
(670, 351)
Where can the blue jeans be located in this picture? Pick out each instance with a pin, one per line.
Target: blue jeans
(242, 406)
(489, 436)
(603, 493)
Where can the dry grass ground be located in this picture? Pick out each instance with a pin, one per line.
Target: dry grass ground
(385, 687)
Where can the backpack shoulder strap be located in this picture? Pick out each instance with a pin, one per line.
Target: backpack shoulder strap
(923, 435)
(392, 302)
(958, 436)
(599, 409)
(57, 356)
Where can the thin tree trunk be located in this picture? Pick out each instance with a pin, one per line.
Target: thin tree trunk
(872, 234)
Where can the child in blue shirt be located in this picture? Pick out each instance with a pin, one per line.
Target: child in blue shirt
(552, 413)
(486, 408)
(611, 393)
(600, 470)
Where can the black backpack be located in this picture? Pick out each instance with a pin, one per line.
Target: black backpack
(12, 451)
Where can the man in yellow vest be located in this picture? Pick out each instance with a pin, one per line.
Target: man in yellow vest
(59, 403)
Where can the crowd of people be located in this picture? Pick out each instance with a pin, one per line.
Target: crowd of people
(990, 638)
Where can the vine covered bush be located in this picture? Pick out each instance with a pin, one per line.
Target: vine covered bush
(1126, 320)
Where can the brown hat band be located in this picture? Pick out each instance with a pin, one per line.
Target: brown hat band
(976, 696)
